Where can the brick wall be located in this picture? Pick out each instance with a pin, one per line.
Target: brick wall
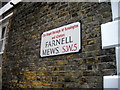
(24, 68)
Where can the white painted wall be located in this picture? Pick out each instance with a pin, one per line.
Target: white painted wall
(8, 6)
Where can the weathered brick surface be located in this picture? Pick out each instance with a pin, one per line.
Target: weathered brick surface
(22, 65)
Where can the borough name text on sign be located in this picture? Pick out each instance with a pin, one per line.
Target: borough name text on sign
(62, 40)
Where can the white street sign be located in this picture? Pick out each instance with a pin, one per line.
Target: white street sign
(62, 40)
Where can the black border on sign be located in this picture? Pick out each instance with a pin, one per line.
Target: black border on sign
(65, 53)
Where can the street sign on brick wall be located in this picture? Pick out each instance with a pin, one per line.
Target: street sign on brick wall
(62, 40)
